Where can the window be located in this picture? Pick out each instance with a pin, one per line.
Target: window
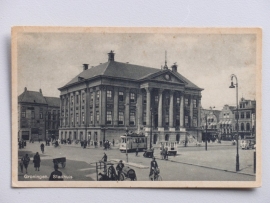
(23, 113)
(109, 117)
(97, 117)
(32, 114)
(186, 101)
(194, 103)
(178, 101)
(91, 97)
(54, 115)
(144, 98)
(194, 122)
(177, 122)
(156, 99)
(72, 119)
(132, 97)
(91, 118)
(121, 118)
(98, 94)
(72, 100)
(247, 114)
(83, 98)
(236, 116)
(121, 96)
(167, 118)
(167, 137)
(77, 118)
(242, 115)
(132, 118)
(83, 117)
(248, 127)
(77, 99)
(144, 118)
(242, 126)
(109, 94)
(167, 100)
(186, 121)
(41, 115)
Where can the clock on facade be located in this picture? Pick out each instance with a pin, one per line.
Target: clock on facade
(167, 77)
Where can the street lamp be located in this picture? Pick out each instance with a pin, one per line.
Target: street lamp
(151, 110)
(237, 117)
(206, 129)
(126, 144)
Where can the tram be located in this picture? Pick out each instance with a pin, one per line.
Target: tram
(131, 141)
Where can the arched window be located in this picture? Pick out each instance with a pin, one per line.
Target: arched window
(242, 127)
(167, 137)
(248, 127)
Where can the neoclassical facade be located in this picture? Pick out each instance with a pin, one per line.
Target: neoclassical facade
(104, 101)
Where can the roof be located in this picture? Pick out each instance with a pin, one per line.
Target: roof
(37, 97)
(53, 101)
(32, 97)
(124, 71)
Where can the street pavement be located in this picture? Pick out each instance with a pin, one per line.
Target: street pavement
(190, 164)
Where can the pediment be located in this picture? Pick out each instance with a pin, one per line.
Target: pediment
(167, 76)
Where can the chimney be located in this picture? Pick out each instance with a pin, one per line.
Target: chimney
(111, 56)
(40, 91)
(174, 67)
(85, 66)
(25, 89)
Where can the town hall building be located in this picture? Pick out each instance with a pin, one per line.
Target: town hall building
(105, 101)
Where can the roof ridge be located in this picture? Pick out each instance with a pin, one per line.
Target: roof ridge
(108, 63)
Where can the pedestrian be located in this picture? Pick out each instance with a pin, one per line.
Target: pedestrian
(95, 143)
(137, 151)
(119, 168)
(104, 158)
(84, 144)
(153, 168)
(37, 161)
(56, 175)
(113, 142)
(100, 142)
(21, 164)
(24, 143)
(26, 161)
(42, 148)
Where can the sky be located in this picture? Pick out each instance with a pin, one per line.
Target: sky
(50, 60)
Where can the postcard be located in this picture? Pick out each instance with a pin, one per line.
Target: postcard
(152, 107)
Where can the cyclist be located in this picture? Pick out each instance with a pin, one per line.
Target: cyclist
(153, 168)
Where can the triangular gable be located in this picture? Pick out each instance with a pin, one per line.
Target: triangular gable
(165, 76)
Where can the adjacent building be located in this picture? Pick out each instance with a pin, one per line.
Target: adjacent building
(104, 101)
(227, 122)
(209, 124)
(246, 117)
(38, 115)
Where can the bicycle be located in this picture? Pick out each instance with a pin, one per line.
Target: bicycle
(155, 176)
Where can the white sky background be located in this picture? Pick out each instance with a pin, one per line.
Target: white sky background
(49, 60)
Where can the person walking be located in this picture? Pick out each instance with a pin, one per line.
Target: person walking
(56, 175)
(21, 164)
(26, 161)
(37, 161)
(119, 168)
(113, 142)
(137, 151)
(84, 144)
(104, 158)
(42, 148)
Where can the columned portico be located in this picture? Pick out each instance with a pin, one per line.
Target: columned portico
(148, 106)
(171, 122)
(182, 111)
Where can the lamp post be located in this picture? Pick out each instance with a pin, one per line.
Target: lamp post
(237, 117)
(151, 110)
(126, 144)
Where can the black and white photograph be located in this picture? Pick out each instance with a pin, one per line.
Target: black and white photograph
(136, 107)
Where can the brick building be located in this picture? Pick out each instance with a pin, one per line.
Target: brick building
(38, 116)
(104, 101)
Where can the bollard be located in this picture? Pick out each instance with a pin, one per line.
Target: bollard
(254, 164)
